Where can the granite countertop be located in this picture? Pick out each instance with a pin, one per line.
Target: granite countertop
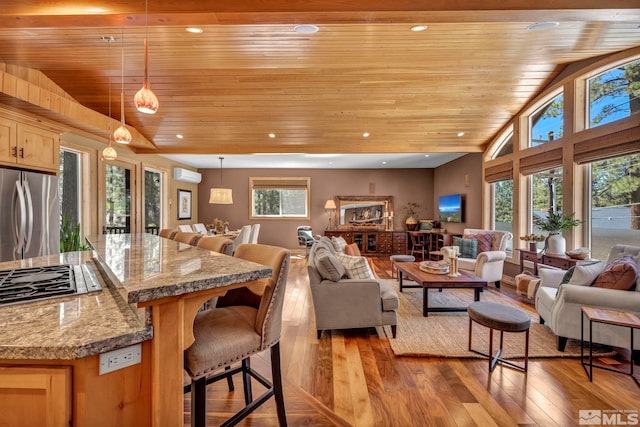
(136, 268)
(69, 327)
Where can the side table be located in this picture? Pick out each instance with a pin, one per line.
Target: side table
(608, 317)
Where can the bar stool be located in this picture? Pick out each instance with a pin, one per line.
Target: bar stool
(418, 243)
(242, 324)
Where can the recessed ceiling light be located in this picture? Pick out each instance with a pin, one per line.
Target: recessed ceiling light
(305, 29)
(542, 26)
(179, 136)
(365, 134)
(417, 28)
(384, 162)
(194, 30)
(426, 155)
(460, 133)
(272, 135)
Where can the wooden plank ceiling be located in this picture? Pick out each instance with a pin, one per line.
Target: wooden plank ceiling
(250, 74)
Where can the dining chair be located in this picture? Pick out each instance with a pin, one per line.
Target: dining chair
(253, 236)
(243, 323)
(242, 238)
(190, 238)
(419, 243)
(167, 233)
(200, 228)
(216, 244)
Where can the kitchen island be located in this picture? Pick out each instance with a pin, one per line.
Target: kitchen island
(152, 289)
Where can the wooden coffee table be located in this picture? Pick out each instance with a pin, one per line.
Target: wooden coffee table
(411, 270)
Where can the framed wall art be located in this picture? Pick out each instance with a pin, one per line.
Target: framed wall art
(184, 204)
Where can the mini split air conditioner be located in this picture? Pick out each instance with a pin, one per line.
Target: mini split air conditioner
(186, 175)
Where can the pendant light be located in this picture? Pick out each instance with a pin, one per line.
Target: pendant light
(122, 134)
(221, 196)
(109, 153)
(145, 100)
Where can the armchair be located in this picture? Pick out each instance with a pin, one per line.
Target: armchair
(488, 264)
(560, 307)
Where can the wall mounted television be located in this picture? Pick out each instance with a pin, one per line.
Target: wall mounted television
(450, 208)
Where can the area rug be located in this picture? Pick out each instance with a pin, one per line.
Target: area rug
(447, 334)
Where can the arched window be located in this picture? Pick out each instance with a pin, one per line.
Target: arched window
(546, 123)
(614, 94)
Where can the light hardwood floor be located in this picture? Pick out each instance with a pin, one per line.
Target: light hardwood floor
(353, 378)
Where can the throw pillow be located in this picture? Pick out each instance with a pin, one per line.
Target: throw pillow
(329, 267)
(352, 249)
(585, 273)
(468, 247)
(356, 267)
(338, 243)
(618, 274)
(485, 240)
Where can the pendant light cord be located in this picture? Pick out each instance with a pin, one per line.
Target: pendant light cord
(221, 158)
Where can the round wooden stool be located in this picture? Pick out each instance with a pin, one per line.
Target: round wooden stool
(503, 318)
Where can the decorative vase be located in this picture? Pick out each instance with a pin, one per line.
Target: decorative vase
(555, 243)
(533, 247)
(412, 223)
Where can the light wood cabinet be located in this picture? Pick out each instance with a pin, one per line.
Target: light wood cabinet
(35, 396)
(28, 146)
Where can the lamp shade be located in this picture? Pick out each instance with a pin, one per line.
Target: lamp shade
(221, 196)
(109, 153)
(331, 204)
(122, 135)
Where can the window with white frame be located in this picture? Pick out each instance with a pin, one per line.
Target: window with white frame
(614, 94)
(546, 123)
(279, 197)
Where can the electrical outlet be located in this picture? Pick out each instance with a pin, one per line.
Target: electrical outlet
(120, 358)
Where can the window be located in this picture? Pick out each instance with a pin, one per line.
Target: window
(274, 197)
(119, 206)
(70, 185)
(546, 123)
(152, 201)
(546, 194)
(505, 147)
(614, 94)
(615, 204)
(502, 192)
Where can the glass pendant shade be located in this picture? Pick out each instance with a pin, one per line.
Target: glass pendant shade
(145, 100)
(122, 135)
(109, 153)
(221, 196)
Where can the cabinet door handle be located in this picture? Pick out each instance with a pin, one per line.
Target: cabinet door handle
(14, 151)
(22, 153)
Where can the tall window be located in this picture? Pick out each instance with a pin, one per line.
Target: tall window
(118, 203)
(275, 197)
(614, 94)
(70, 185)
(505, 147)
(503, 208)
(546, 123)
(152, 201)
(615, 204)
(546, 194)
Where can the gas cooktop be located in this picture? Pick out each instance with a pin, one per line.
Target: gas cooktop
(29, 284)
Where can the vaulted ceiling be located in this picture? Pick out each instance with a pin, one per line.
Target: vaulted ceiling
(249, 73)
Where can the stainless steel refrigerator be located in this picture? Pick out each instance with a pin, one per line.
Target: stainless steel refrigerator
(29, 214)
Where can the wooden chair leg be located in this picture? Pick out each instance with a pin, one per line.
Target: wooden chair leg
(277, 384)
(199, 402)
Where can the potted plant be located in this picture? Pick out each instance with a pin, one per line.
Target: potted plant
(70, 239)
(555, 224)
(411, 210)
(532, 240)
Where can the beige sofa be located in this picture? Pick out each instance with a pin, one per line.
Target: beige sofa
(560, 307)
(350, 303)
(487, 265)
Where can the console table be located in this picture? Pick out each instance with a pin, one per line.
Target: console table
(560, 261)
(373, 242)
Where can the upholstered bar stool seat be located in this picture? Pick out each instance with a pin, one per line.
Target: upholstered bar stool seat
(399, 258)
(503, 318)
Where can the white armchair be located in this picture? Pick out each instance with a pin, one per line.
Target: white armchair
(489, 264)
(560, 307)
